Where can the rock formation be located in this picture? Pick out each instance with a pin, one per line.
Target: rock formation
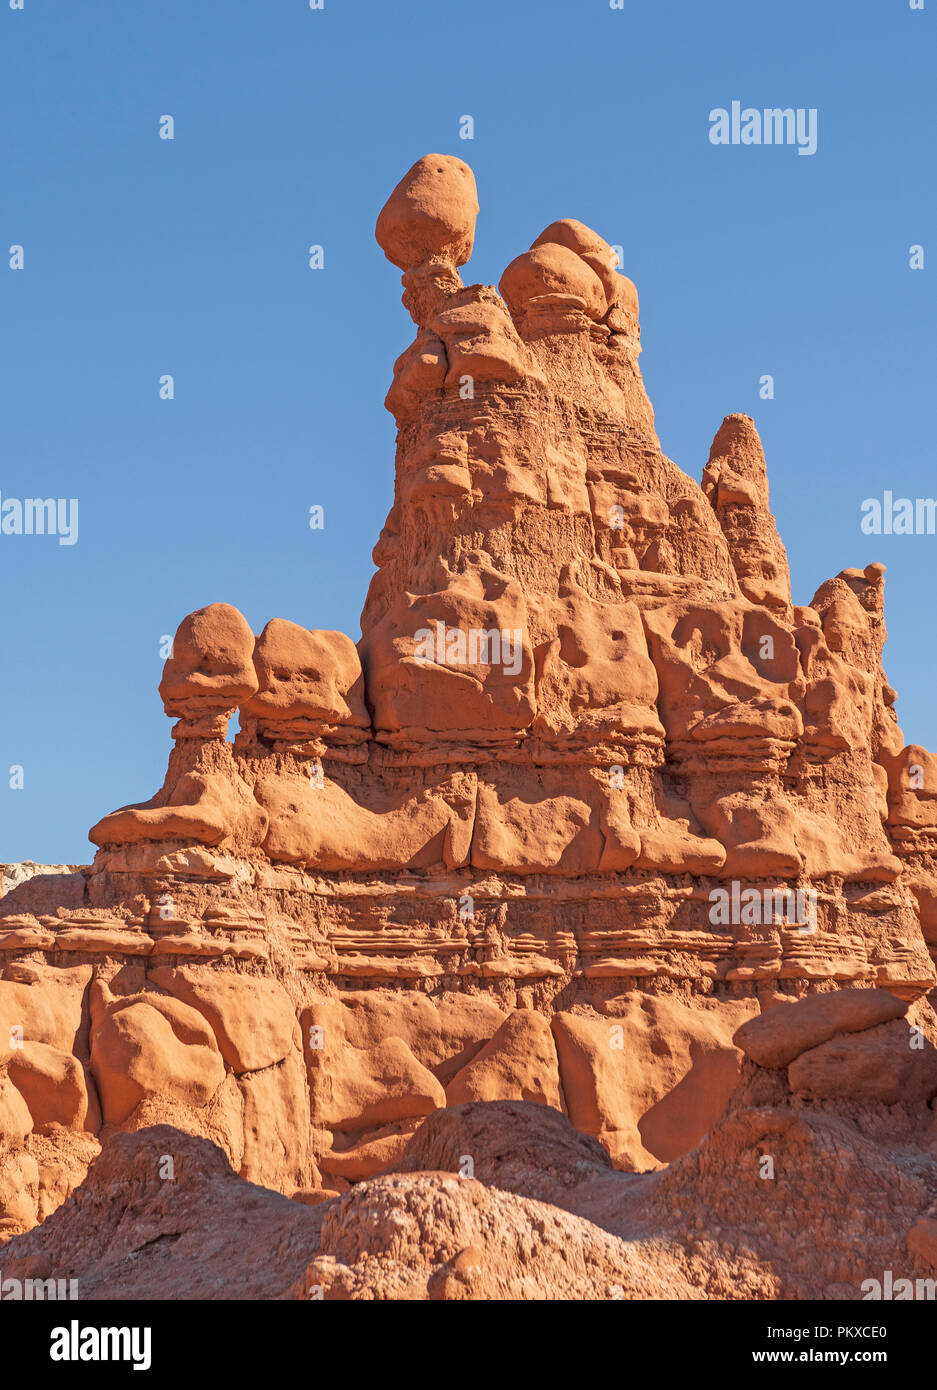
(590, 795)
(815, 1182)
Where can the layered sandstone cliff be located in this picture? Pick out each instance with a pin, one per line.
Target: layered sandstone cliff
(589, 793)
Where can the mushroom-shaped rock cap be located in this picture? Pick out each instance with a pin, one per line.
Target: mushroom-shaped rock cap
(551, 269)
(587, 244)
(212, 661)
(430, 216)
(306, 674)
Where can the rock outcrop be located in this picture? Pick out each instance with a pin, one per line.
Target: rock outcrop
(588, 804)
(800, 1191)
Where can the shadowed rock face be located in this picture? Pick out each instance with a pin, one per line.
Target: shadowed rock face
(589, 793)
(505, 1199)
(162, 1215)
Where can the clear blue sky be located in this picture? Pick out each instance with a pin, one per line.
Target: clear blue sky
(189, 257)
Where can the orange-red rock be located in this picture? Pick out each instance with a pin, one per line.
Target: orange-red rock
(875, 1067)
(498, 849)
(518, 1061)
(779, 1036)
(430, 214)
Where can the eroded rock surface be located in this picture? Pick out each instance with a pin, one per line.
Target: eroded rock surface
(790, 1194)
(588, 806)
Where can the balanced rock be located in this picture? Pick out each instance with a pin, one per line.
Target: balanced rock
(210, 670)
(590, 792)
(430, 216)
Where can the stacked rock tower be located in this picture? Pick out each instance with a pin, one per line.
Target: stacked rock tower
(587, 766)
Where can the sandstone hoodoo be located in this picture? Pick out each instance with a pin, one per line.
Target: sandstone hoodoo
(475, 856)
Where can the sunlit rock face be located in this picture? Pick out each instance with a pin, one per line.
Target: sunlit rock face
(589, 793)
